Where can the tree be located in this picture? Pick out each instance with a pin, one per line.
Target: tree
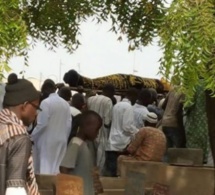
(188, 39)
(13, 33)
(186, 31)
(56, 22)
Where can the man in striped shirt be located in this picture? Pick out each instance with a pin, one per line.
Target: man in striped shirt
(21, 102)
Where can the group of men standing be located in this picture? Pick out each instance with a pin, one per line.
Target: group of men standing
(58, 122)
(121, 123)
(63, 132)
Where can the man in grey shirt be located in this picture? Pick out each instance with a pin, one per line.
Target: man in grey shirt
(78, 158)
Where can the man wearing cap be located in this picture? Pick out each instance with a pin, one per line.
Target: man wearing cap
(149, 143)
(21, 102)
(51, 134)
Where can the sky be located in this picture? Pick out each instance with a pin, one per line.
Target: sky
(100, 54)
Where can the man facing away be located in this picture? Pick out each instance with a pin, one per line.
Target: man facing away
(172, 121)
(153, 106)
(140, 108)
(21, 102)
(51, 134)
(102, 104)
(122, 131)
(78, 159)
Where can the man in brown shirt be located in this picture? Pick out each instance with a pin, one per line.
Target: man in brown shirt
(149, 143)
(172, 121)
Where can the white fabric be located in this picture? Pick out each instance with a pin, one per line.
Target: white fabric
(51, 134)
(152, 118)
(161, 103)
(74, 111)
(140, 115)
(122, 128)
(103, 106)
(15, 191)
(77, 140)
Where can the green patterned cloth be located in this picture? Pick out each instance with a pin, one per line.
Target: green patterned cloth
(196, 125)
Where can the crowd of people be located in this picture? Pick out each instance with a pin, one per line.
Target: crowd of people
(53, 131)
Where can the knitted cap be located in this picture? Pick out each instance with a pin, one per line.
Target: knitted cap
(18, 91)
(152, 118)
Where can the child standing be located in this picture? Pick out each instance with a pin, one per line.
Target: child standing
(78, 159)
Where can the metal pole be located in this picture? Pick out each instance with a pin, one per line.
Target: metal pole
(60, 71)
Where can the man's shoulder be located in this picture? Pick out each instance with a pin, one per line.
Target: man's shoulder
(74, 111)
(99, 97)
(153, 130)
(77, 141)
(57, 99)
(124, 103)
(78, 145)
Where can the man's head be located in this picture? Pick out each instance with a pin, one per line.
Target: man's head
(65, 93)
(114, 100)
(108, 90)
(22, 98)
(78, 101)
(47, 88)
(132, 95)
(90, 123)
(151, 120)
(154, 95)
(144, 97)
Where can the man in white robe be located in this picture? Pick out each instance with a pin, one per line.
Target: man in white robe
(123, 130)
(102, 104)
(51, 134)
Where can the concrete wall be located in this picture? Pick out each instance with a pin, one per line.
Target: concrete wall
(181, 180)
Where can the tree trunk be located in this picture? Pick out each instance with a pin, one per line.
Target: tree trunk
(210, 109)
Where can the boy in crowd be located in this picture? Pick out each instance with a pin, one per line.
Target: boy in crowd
(78, 159)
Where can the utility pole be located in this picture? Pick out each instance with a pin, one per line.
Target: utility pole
(79, 68)
(41, 79)
(60, 66)
(134, 63)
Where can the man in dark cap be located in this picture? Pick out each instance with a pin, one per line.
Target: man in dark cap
(51, 134)
(21, 102)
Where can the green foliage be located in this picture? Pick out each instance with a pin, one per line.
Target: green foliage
(56, 22)
(13, 35)
(137, 19)
(186, 30)
(187, 37)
